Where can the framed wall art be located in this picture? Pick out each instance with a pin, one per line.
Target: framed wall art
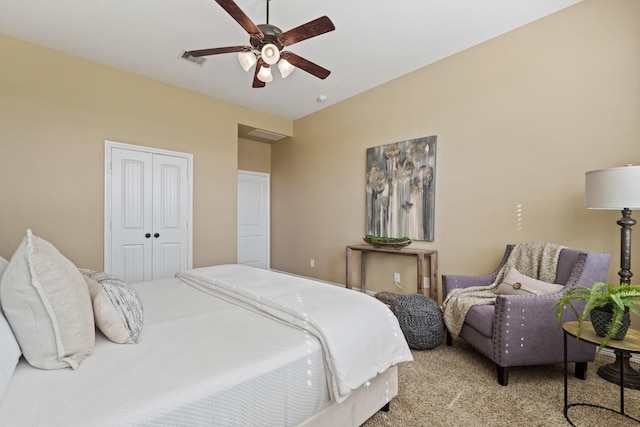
(400, 189)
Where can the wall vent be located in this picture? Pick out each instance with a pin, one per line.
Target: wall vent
(265, 134)
(198, 61)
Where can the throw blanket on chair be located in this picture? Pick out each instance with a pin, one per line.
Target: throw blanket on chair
(534, 259)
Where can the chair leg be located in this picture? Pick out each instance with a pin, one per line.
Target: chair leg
(581, 370)
(449, 338)
(503, 375)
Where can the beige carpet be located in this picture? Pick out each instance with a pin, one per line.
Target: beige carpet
(456, 386)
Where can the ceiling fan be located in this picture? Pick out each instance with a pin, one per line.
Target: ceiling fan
(266, 46)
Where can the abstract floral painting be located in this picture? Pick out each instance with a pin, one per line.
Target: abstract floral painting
(401, 189)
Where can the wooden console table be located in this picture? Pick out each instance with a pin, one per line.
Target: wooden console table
(418, 253)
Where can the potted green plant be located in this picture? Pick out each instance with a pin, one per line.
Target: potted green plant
(608, 305)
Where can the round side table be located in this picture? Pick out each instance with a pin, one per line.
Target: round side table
(630, 343)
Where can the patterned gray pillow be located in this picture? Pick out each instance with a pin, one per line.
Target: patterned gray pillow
(116, 307)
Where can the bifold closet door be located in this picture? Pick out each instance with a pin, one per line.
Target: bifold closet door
(149, 207)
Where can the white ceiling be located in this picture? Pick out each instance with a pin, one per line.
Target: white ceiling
(375, 41)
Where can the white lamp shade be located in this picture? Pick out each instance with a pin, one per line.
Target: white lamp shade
(247, 60)
(285, 68)
(270, 53)
(264, 75)
(614, 188)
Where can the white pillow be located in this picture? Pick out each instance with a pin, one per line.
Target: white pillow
(516, 283)
(3, 266)
(116, 307)
(9, 349)
(9, 354)
(48, 306)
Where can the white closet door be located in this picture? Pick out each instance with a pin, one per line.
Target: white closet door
(149, 211)
(170, 198)
(131, 215)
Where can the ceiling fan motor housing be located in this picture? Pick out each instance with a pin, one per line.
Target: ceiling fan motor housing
(271, 33)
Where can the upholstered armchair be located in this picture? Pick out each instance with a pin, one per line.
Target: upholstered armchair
(522, 330)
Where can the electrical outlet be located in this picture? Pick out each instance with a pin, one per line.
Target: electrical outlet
(312, 263)
(396, 277)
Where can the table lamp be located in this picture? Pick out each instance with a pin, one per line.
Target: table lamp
(617, 189)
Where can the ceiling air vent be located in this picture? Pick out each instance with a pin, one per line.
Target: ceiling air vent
(198, 61)
(264, 134)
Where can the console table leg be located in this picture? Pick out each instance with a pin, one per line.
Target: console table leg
(348, 268)
(420, 281)
(363, 271)
(433, 271)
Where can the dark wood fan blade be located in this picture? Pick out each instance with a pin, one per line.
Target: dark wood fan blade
(305, 65)
(218, 50)
(236, 13)
(306, 31)
(257, 83)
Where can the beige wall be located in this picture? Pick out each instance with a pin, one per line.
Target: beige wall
(519, 120)
(254, 156)
(57, 110)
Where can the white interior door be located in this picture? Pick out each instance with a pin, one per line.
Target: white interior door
(170, 222)
(147, 212)
(253, 219)
(131, 215)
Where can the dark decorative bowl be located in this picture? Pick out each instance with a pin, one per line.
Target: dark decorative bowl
(388, 245)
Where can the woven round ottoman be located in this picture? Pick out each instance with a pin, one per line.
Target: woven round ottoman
(420, 319)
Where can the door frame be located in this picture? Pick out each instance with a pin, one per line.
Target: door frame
(108, 145)
(267, 176)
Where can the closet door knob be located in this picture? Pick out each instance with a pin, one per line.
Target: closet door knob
(147, 235)
(156, 235)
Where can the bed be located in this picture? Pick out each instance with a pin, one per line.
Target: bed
(221, 346)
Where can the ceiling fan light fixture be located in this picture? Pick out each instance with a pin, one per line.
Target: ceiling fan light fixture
(264, 75)
(285, 68)
(247, 60)
(270, 53)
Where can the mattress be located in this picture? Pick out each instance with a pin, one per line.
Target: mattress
(200, 361)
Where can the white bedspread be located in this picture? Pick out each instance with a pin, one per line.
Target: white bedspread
(360, 336)
(201, 362)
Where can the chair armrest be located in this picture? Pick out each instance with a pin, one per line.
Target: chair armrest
(528, 308)
(526, 330)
